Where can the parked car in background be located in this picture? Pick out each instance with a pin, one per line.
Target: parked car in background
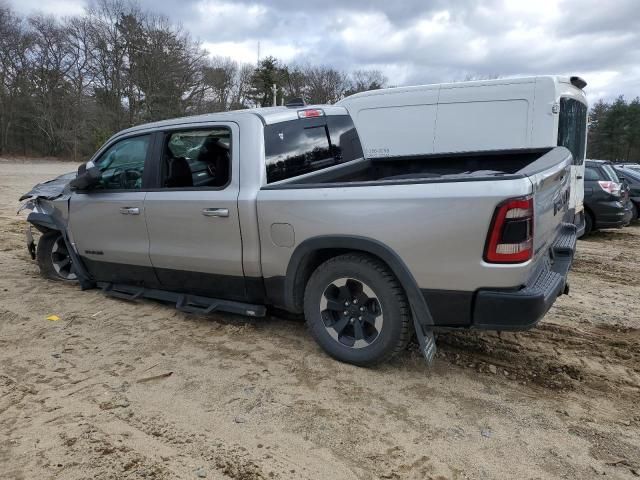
(606, 199)
(629, 166)
(632, 177)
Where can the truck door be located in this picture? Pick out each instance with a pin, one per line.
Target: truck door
(192, 217)
(107, 222)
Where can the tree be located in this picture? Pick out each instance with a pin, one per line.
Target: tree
(269, 72)
(596, 140)
(363, 80)
(82, 105)
(614, 130)
(16, 108)
(165, 69)
(108, 61)
(242, 88)
(220, 76)
(51, 61)
(324, 84)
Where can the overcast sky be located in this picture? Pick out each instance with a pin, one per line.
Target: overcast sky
(419, 41)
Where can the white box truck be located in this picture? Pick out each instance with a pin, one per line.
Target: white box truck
(488, 115)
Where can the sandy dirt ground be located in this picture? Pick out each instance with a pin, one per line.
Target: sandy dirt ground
(138, 390)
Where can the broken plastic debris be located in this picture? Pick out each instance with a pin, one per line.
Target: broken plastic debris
(53, 318)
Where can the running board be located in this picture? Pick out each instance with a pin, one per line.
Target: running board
(184, 302)
(130, 293)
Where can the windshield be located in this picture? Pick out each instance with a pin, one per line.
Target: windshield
(572, 128)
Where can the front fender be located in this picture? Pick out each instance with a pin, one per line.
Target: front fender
(46, 222)
(42, 221)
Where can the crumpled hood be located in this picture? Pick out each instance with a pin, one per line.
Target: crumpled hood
(52, 188)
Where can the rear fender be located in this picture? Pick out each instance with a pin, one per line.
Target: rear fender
(420, 310)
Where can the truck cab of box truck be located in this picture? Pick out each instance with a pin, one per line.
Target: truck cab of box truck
(500, 114)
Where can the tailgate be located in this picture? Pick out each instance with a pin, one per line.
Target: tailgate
(550, 176)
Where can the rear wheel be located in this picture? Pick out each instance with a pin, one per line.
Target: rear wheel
(53, 258)
(356, 310)
(634, 212)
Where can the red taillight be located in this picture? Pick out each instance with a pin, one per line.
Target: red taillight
(310, 113)
(612, 188)
(510, 237)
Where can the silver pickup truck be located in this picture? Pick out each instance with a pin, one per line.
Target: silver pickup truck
(244, 210)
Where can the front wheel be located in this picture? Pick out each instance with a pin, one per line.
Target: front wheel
(356, 310)
(53, 258)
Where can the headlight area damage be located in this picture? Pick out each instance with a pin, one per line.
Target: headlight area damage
(51, 189)
(49, 205)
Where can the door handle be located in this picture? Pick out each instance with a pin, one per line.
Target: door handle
(130, 211)
(215, 212)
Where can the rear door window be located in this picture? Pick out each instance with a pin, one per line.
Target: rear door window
(591, 174)
(302, 146)
(199, 158)
(572, 128)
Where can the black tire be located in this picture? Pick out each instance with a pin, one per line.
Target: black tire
(378, 323)
(634, 213)
(51, 254)
(588, 223)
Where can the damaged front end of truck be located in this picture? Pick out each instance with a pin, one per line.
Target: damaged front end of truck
(48, 203)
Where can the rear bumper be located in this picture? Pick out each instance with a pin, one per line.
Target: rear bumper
(612, 214)
(522, 308)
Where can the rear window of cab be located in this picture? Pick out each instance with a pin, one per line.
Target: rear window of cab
(307, 145)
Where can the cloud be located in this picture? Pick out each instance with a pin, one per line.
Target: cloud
(49, 7)
(414, 41)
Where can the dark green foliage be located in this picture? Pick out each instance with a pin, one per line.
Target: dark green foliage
(269, 73)
(614, 131)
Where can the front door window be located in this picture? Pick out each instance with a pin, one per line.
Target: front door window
(122, 164)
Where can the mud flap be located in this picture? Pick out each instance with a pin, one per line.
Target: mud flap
(426, 340)
(84, 278)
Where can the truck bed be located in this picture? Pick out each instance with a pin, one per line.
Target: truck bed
(435, 167)
(434, 211)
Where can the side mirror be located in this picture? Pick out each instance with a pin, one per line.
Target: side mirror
(86, 178)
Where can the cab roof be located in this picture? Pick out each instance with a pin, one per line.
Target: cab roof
(267, 115)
